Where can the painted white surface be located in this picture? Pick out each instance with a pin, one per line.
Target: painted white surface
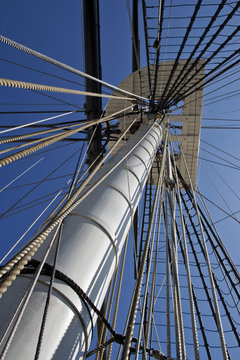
(92, 240)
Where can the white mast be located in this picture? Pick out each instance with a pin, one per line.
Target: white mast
(92, 240)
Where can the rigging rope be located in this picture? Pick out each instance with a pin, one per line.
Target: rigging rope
(176, 63)
(31, 190)
(36, 122)
(186, 260)
(52, 140)
(136, 297)
(21, 259)
(214, 17)
(41, 87)
(218, 317)
(62, 65)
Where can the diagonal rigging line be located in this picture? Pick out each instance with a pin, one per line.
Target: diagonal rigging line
(42, 72)
(211, 161)
(30, 150)
(57, 99)
(44, 318)
(214, 17)
(189, 28)
(222, 97)
(41, 87)
(36, 122)
(229, 38)
(38, 184)
(220, 194)
(217, 148)
(217, 206)
(186, 93)
(36, 140)
(20, 175)
(215, 89)
(51, 200)
(62, 65)
(34, 203)
(219, 157)
(35, 133)
(22, 258)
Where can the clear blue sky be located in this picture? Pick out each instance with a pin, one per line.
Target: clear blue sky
(55, 29)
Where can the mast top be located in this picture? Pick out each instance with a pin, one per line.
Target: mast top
(184, 123)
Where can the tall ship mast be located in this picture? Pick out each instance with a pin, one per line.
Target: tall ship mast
(119, 180)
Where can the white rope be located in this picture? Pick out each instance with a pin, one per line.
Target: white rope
(22, 258)
(42, 87)
(20, 175)
(28, 294)
(167, 280)
(132, 317)
(52, 139)
(215, 301)
(179, 329)
(221, 196)
(218, 262)
(36, 122)
(189, 279)
(152, 232)
(153, 287)
(34, 222)
(34, 141)
(64, 66)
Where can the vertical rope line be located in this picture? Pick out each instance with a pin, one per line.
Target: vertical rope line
(130, 329)
(168, 320)
(219, 290)
(147, 281)
(221, 294)
(204, 336)
(218, 316)
(219, 241)
(193, 319)
(158, 44)
(179, 328)
(151, 304)
(177, 311)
